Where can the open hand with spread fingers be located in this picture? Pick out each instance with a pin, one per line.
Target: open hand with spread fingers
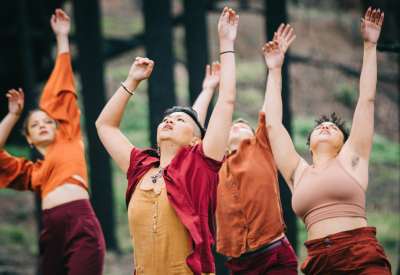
(371, 25)
(141, 69)
(60, 23)
(284, 36)
(227, 26)
(15, 101)
(274, 55)
(211, 81)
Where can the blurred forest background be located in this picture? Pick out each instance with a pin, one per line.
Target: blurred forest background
(321, 75)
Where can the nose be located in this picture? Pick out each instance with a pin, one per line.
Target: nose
(41, 124)
(169, 120)
(235, 128)
(324, 127)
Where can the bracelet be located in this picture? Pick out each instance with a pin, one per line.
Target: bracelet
(227, 52)
(126, 89)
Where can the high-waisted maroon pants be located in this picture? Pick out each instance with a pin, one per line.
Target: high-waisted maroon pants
(346, 253)
(72, 241)
(277, 258)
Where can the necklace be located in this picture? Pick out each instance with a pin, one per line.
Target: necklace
(157, 174)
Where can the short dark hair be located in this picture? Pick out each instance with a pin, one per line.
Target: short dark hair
(337, 120)
(24, 130)
(191, 112)
(242, 120)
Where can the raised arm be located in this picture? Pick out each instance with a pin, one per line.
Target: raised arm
(216, 139)
(61, 25)
(285, 155)
(210, 84)
(15, 107)
(362, 131)
(117, 145)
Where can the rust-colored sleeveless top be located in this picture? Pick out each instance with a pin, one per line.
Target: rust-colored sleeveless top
(328, 194)
(160, 240)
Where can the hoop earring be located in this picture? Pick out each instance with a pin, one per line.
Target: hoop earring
(158, 151)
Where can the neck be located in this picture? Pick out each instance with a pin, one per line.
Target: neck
(168, 152)
(43, 149)
(322, 157)
(232, 146)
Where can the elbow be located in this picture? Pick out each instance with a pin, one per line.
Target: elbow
(98, 123)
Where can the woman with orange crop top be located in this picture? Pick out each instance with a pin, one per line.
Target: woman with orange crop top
(329, 195)
(72, 241)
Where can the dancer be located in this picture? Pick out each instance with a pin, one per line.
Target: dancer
(72, 241)
(329, 196)
(171, 193)
(250, 226)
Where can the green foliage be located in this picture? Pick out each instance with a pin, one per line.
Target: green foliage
(346, 96)
(248, 72)
(12, 234)
(117, 28)
(251, 96)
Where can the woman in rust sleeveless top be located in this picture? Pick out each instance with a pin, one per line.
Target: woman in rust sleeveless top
(71, 241)
(329, 196)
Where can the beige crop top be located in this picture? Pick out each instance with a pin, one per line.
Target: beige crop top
(328, 194)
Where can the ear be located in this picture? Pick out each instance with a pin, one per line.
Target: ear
(195, 141)
(310, 150)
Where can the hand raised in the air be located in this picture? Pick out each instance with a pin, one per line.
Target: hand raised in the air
(227, 26)
(284, 37)
(211, 81)
(141, 69)
(15, 101)
(273, 54)
(60, 22)
(371, 25)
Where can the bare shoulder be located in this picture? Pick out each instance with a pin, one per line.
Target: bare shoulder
(299, 171)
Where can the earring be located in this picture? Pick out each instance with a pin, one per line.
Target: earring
(158, 151)
(31, 145)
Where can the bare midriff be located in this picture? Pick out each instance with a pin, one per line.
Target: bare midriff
(63, 194)
(330, 226)
(248, 249)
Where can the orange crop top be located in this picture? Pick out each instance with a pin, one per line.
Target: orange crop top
(328, 194)
(66, 156)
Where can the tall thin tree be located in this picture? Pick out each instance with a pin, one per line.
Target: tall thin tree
(87, 18)
(158, 42)
(275, 15)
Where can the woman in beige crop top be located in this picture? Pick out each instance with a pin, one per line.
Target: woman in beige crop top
(339, 159)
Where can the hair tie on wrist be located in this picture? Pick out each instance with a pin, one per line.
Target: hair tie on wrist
(126, 89)
(227, 52)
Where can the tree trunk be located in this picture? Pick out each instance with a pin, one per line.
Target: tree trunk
(275, 15)
(158, 41)
(87, 17)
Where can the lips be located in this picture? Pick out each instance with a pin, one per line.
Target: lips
(43, 133)
(324, 132)
(168, 127)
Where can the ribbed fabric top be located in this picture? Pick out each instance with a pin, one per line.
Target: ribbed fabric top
(328, 194)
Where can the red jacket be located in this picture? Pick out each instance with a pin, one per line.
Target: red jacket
(191, 180)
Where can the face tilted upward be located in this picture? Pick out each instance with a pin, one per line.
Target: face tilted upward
(41, 129)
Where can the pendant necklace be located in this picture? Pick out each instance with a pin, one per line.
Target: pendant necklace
(157, 175)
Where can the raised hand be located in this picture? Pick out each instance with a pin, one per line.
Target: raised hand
(274, 55)
(141, 69)
(211, 81)
(284, 37)
(371, 25)
(60, 23)
(15, 101)
(227, 26)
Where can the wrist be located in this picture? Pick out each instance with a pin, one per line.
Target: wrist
(276, 70)
(15, 115)
(208, 89)
(226, 45)
(131, 83)
(368, 44)
(60, 36)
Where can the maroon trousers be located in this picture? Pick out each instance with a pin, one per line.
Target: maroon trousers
(72, 241)
(346, 253)
(277, 258)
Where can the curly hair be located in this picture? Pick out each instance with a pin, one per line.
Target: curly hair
(337, 120)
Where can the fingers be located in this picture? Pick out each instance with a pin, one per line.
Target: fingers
(231, 16)
(291, 40)
(280, 29)
(215, 68)
(225, 10)
(368, 14)
(378, 13)
(381, 20)
(285, 31)
(289, 35)
(275, 37)
(270, 46)
(208, 70)
(236, 21)
(373, 15)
